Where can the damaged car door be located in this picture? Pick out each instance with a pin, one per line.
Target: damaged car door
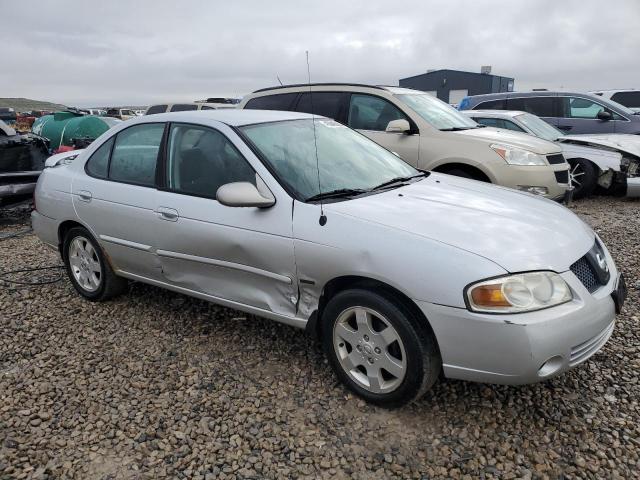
(242, 255)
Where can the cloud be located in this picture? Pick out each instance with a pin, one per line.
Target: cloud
(95, 53)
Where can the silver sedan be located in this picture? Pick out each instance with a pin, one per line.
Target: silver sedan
(401, 273)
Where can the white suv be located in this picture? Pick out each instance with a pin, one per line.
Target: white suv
(428, 134)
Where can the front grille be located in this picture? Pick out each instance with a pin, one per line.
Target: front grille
(585, 274)
(555, 159)
(581, 352)
(562, 176)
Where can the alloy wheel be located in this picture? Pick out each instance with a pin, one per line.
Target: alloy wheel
(369, 349)
(574, 176)
(85, 264)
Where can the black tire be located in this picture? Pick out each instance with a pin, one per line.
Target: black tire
(423, 362)
(586, 181)
(458, 172)
(110, 285)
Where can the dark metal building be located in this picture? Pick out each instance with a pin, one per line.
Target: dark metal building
(451, 86)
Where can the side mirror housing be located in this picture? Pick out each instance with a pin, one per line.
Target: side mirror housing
(398, 126)
(243, 194)
(604, 115)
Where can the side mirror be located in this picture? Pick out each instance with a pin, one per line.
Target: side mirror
(398, 126)
(604, 115)
(242, 194)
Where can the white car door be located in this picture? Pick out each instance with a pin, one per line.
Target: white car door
(241, 255)
(370, 115)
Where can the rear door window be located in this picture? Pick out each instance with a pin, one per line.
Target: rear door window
(281, 101)
(492, 105)
(367, 112)
(135, 154)
(540, 106)
(327, 104)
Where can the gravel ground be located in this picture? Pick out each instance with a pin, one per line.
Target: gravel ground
(156, 384)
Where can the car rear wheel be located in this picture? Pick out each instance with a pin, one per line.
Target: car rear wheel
(583, 176)
(88, 271)
(378, 348)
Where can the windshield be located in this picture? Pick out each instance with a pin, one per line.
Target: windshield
(436, 112)
(539, 127)
(347, 160)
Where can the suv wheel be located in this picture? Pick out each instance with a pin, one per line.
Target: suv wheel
(88, 271)
(378, 348)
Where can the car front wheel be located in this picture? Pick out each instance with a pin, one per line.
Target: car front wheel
(87, 269)
(379, 348)
(584, 177)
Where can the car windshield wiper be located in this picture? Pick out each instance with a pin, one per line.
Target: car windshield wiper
(339, 193)
(457, 129)
(393, 181)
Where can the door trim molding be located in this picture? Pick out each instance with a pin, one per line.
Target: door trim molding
(293, 321)
(224, 264)
(126, 243)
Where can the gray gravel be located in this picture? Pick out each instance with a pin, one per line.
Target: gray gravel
(155, 385)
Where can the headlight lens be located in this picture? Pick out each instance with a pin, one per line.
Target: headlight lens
(523, 292)
(518, 156)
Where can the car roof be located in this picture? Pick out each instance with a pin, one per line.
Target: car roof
(394, 89)
(229, 116)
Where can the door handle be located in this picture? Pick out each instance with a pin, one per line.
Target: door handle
(84, 195)
(566, 128)
(168, 214)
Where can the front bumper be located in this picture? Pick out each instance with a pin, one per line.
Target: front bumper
(633, 187)
(518, 176)
(528, 347)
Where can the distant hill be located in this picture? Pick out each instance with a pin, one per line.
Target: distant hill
(26, 104)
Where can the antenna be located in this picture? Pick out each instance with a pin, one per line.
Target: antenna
(323, 217)
(281, 80)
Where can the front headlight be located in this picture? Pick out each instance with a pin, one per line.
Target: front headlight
(517, 156)
(523, 292)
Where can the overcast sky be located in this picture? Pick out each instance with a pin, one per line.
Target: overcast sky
(96, 52)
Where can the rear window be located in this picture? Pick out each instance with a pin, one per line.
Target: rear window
(628, 99)
(156, 109)
(282, 101)
(492, 105)
(183, 107)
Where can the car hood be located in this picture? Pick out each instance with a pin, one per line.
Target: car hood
(618, 141)
(517, 139)
(515, 230)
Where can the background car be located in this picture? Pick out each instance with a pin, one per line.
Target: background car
(428, 134)
(630, 98)
(611, 162)
(121, 113)
(403, 274)
(570, 112)
(184, 107)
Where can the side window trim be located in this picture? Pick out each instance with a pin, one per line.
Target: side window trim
(115, 139)
(165, 149)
